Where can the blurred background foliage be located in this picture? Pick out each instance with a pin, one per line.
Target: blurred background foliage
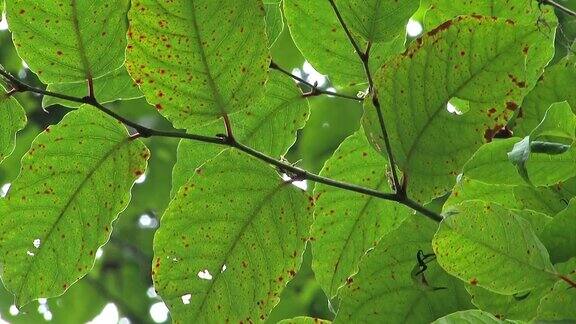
(119, 288)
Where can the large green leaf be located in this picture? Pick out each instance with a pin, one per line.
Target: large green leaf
(67, 41)
(553, 86)
(559, 234)
(74, 181)
(116, 85)
(319, 35)
(196, 61)
(230, 240)
(385, 289)
(526, 11)
(269, 126)
(490, 164)
(12, 120)
(486, 62)
(346, 224)
(486, 245)
(475, 316)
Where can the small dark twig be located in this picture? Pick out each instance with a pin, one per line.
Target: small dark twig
(558, 6)
(315, 90)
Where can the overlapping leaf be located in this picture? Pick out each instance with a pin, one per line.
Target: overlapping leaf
(346, 224)
(116, 85)
(68, 41)
(468, 189)
(469, 316)
(521, 306)
(377, 20)
(269, 126)
(12, 120)
(486, 62)
(553, 86)
(480, 244)
(558, 235)
(274, 20)
(558, 304)
(317, 32)
(74, 181)
(230, 240)
(196, 61)
(547, 200)
(490, 164)
(385, 289)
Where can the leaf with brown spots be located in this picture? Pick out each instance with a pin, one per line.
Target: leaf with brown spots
(485, 243)
(65, 188)
(69, 40)
(229, 240)
(431, 142)
(198, 60)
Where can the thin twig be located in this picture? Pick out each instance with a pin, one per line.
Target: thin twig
(560, 7)
(226, 140)
(315, 91)
(365, 58)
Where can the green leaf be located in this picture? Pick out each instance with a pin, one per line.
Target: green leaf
(467, 189)
(547, 200)
(347, 224)
(304, 320)
(536, 219)
(524, 12)
(385, 291)
(521, 306)
(74, 181)
(490, 164)
(377, 20)
(553, 86)
(274, 20)
(230, 240)
(558, 235)
(68, 41)
(196, 61)
(430, 143)
(12, 120)
(559, 303)
(486, 245)
(558, 123)
(334, 55)
(116, 85)
(270, 127)
(469, 316)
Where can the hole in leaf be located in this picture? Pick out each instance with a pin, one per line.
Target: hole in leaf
(205, 275)
(457, 106)
(186, 299)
